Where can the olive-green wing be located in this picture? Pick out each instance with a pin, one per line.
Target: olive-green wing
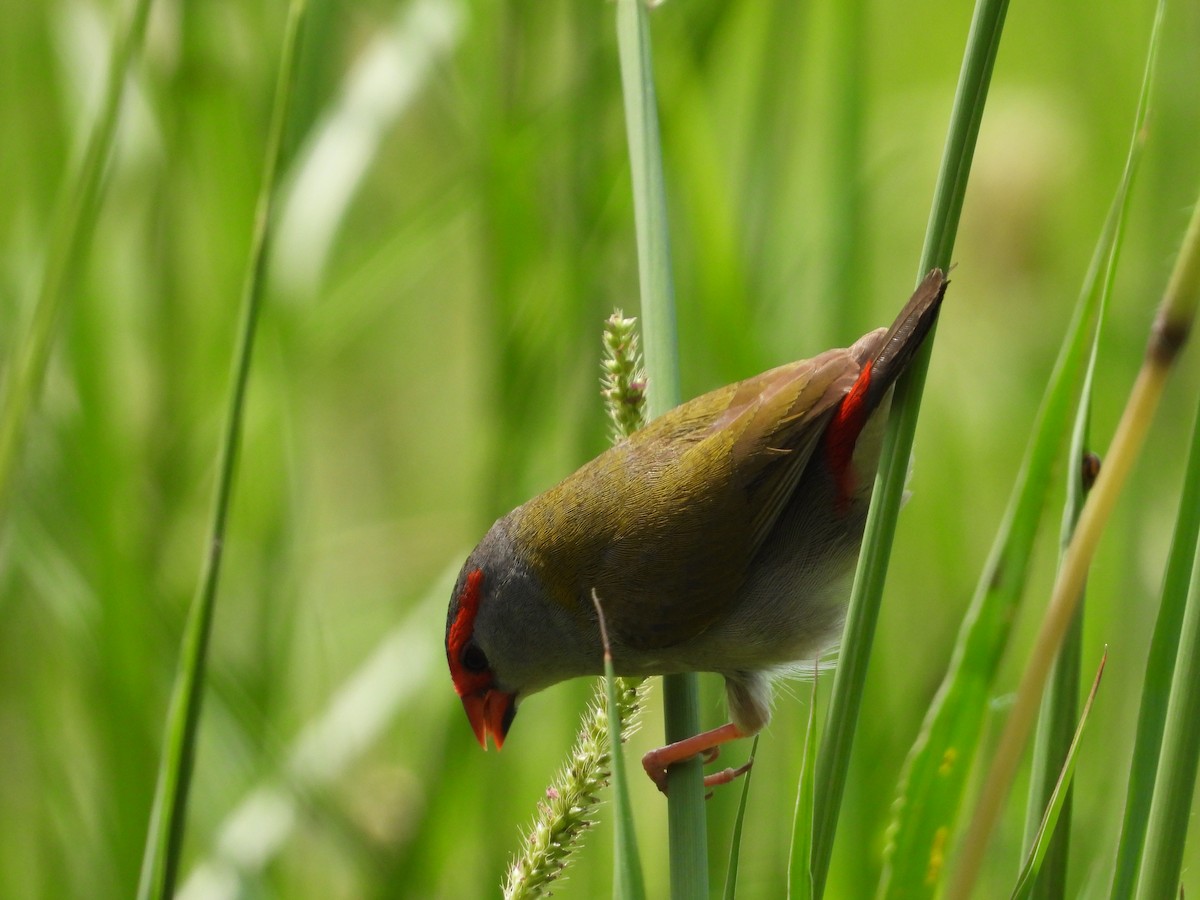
(784, 429)
(698, 518)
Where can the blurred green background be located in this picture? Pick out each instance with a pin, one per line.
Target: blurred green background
(457, 224)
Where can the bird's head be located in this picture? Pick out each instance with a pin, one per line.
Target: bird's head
(489, 707)
(507, 636)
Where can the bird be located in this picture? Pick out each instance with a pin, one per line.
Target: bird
(720, 537)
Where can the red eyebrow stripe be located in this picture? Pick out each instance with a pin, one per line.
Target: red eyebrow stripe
(460, 632)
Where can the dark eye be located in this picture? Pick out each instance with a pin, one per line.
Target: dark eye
(474, 659)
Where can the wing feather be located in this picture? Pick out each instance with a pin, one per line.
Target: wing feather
(666, 524)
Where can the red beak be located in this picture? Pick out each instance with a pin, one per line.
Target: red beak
(491, 713)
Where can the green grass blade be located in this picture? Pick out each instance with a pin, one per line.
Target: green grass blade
(650, 207)
(735, 838)
(627, 864)
(628, 883)
(1174, 780)
(800, 881)
(73, 229)
(1056, 726)
(1170, 806)
(685, 806)
(1056, 732)
(1051, 746)
(1058, 712)
(938, 765)
(1168, 336)
(834, 759)
(165, 838)
(1044, 835)
(1156, 689)
(1165, 640)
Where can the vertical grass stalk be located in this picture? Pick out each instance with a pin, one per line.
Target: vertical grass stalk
(1168, 335)
(739, 821)
(685, 813)
(1156, 687)
(627, 865)
(938, 765)
(1052, 745)
(1042, 839)
(1167, 819)
(834, 758)
(1056, 725)
(799, 875)
(168, 816)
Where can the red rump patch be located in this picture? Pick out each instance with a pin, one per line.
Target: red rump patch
(466, 682)
(842, 434)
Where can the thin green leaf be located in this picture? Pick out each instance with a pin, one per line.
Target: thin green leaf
(649, 206)
(735, 838)
(1045, 832)
(627, 864)
(1059, 704)
(1168, 336)
(1156, 687)
(685, 804)
(1057, 719)
(1175, 779)
(1143, 768)
(936, 771)
(1170, 805)
(800, 880)
(834, 759)
(1056, 725)
(164, 841)
(1051, 746)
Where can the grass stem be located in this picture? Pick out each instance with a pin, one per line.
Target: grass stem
(1167, 337)
(685, 804)
(168, 816)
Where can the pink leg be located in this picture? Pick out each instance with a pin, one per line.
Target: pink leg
(708, 743)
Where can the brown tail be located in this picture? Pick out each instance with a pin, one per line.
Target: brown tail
(878, 374)
(906, 336)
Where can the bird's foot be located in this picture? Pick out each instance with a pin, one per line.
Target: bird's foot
(707, 744)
